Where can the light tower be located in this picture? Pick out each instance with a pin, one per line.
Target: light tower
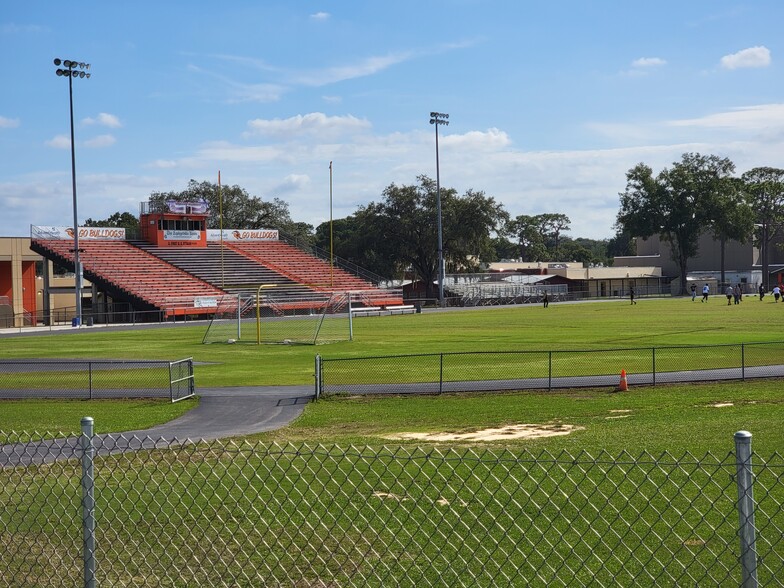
(439, 118)
(73, 69)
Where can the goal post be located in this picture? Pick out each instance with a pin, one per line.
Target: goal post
(267, 317)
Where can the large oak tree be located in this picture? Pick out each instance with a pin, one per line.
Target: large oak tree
(676, 204)
(399, 232)
(763, 188)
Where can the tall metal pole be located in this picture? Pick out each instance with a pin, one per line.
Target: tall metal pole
(220, 226)
(77, 264)
(74, 69)
(438, 118)
(331, 254)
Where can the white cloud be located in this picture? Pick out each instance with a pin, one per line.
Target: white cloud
(320, 16)
(365, 67)
(752, 57)
(645, 62)
(104, 119)
(100, 141)
(263, 93)
(59, 142)
(745, 122)
(314, 123)
(8, 123)
(163, 164)
(332, 99)
(744, 118)
(292, 183)
(12, 28)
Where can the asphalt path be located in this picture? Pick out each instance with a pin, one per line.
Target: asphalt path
(221, 413)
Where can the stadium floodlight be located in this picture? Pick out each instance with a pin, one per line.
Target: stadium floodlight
(439, 118)
(73, 70)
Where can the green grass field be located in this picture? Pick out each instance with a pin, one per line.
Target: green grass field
(662, 415)
(343, 498)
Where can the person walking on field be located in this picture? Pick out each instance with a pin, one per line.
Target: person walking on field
(730, 294)
(738, 294)
(705, 292)
(631, 295)
(693, 292)
(776, 293)
(762, 291)
(545, 300)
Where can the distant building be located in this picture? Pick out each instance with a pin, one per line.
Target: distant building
(593, 281)
(741, 261)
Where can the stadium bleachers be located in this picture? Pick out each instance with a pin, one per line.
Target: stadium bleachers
(124, 269)
(169, 279)
(227, 269)
(304, 268)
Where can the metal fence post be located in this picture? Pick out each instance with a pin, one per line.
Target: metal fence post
(441, 375)
(549, 370)
(90, 378)
(318, 376)
(88, 502)
(350, 320)
(746, 529)
(653, 364)
(742, 362)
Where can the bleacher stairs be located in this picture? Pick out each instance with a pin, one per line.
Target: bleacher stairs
(127, 272)
(304, 268)
(226, 269)
(170, 279)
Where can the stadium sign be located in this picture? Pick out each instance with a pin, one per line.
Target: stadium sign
(181, 235)
(242, 235)
(64, 233)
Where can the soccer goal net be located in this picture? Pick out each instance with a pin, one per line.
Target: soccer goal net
(266, 318)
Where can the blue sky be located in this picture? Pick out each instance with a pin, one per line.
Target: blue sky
(550, 102)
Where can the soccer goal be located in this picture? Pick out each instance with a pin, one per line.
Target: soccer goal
(265, 317)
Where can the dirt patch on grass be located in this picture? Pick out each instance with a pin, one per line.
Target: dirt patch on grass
(520, 431)
(721, 404)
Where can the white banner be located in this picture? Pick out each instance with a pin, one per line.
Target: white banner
(242, 235)
(205, 302)
(174, 235)
(66, 233)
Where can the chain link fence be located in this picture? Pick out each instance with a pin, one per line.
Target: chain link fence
(72, 378)
(433, 373)
(255, 514)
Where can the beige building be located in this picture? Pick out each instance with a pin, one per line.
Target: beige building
(593, 281)
(25, 276)
(741, 261)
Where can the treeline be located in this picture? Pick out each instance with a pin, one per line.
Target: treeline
(701, 194)
(397, 235)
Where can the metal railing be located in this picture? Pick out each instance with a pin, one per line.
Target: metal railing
(91, 511)
(434, 373)
(73, 378)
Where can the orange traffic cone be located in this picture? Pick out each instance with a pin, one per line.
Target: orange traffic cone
(623, 386)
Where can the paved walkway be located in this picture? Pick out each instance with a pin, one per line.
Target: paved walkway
(221, 413)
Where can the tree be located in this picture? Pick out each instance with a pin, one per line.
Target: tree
(124, 220)
(400, 230)
(240, 209)
(621, 245)
(730, 216)
(676, 204)
(503, 248)
(551, 226)
(539, 235)
(763, 189)
(527, 230)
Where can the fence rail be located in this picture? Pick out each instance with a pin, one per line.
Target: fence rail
(434, 373)
(93, 379)
(230, 513)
